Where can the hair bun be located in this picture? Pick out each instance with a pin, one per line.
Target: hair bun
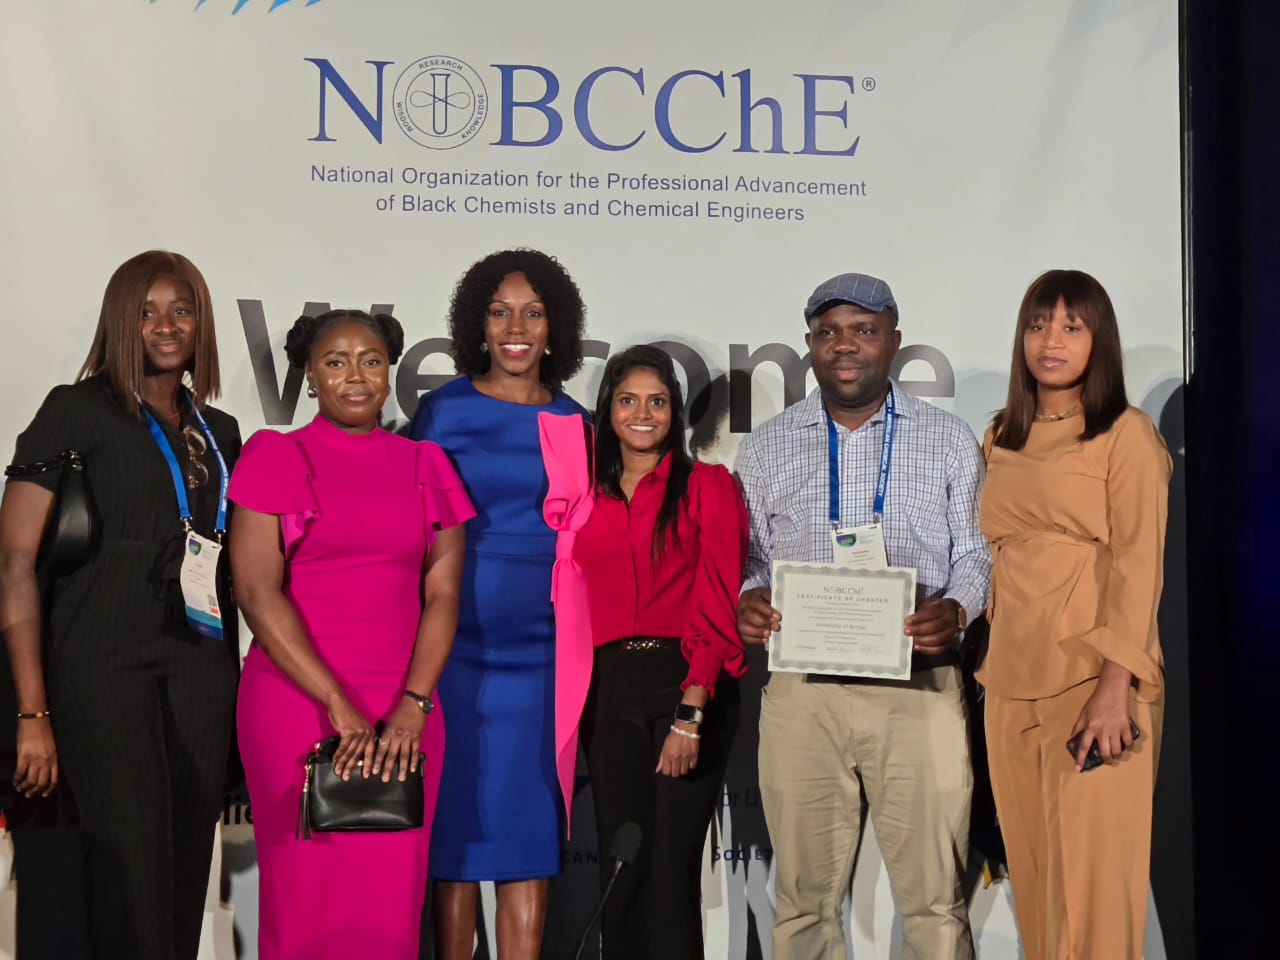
(297, 342)
(392, 333)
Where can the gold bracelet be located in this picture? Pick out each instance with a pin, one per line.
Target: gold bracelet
(38, 715)
(685, 733)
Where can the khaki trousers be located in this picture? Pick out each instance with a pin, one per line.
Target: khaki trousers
(1078, 844)
(905, 745)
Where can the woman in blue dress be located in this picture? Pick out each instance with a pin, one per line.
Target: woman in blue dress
(516, 321)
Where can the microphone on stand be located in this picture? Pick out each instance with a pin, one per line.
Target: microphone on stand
(622, 851)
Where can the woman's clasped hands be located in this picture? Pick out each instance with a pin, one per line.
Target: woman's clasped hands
(361, 750)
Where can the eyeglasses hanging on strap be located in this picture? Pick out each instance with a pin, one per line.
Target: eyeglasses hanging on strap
(196, 472)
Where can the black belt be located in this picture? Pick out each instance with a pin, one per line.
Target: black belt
(646, 644)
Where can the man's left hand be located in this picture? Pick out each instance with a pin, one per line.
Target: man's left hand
(934, 626)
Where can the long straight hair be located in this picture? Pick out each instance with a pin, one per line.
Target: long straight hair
(608, 467)
(1104, 397)
(117, 354)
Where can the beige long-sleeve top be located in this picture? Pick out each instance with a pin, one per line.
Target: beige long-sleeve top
(1077, 536)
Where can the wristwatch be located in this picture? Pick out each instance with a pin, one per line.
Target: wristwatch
(425, 704)
(688, 713)
(962, 617)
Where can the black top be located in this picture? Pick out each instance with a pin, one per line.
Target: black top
(128, 592)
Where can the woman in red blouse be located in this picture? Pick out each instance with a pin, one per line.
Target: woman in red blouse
(663, 555)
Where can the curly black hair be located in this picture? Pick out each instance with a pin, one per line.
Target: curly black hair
(566, 315)
(306, 330)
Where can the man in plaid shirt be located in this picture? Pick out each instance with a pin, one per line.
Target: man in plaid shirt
(827, 741)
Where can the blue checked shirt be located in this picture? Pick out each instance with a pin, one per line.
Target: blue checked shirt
(931, 506)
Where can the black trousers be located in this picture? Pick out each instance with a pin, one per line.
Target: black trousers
(48, 854)
(655, 910)
(48, 860)
(143, 726)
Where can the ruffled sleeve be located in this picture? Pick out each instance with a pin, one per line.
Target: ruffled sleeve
(273, 476)
(711, 643)
(444, 498)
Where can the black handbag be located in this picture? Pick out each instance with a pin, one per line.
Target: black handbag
(359, 805)
(75, 529)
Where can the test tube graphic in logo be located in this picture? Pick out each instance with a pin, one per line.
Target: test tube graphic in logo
(440, 102)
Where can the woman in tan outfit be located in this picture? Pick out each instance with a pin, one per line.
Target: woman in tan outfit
(1075, 507)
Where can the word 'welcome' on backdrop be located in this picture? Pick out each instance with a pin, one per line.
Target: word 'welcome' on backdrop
(707, 395)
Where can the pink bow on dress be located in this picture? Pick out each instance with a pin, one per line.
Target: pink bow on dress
(564, 442)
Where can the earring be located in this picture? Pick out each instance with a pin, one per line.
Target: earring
(547, 351)
(311, 390)
(484, 347)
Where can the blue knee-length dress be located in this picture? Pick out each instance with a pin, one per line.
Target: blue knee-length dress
(499, 816)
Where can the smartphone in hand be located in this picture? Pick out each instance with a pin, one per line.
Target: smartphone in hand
(1093, 758)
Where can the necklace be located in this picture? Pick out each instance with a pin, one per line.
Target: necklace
(171, 418)
(1052, 417)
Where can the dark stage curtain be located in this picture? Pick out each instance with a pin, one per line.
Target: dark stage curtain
(1232, 164)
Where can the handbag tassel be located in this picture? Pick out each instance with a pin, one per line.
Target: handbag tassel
(303, 831)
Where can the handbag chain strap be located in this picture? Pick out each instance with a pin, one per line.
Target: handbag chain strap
(67, 458)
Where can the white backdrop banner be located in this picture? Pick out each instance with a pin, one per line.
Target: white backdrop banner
(698, 167)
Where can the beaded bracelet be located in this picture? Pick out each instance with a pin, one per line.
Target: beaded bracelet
(685, 733)
(38, 715)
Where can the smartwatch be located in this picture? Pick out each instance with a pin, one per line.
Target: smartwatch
(688, 713)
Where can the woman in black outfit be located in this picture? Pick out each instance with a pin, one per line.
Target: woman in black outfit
(118, 693)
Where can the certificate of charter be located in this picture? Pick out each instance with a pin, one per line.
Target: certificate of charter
(846, 621)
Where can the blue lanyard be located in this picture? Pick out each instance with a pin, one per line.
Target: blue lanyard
(886, 458)
(180, 484)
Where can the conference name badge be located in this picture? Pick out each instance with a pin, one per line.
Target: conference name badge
(199, 580)
(860, 547)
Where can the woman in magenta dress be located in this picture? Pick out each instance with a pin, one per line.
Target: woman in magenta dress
(347, 562)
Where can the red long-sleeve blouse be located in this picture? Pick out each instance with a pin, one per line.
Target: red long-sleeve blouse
(691, 591)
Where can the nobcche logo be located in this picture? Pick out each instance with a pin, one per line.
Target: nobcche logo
(440, 102)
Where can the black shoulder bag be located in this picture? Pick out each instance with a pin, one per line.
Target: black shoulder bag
(74, 529)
